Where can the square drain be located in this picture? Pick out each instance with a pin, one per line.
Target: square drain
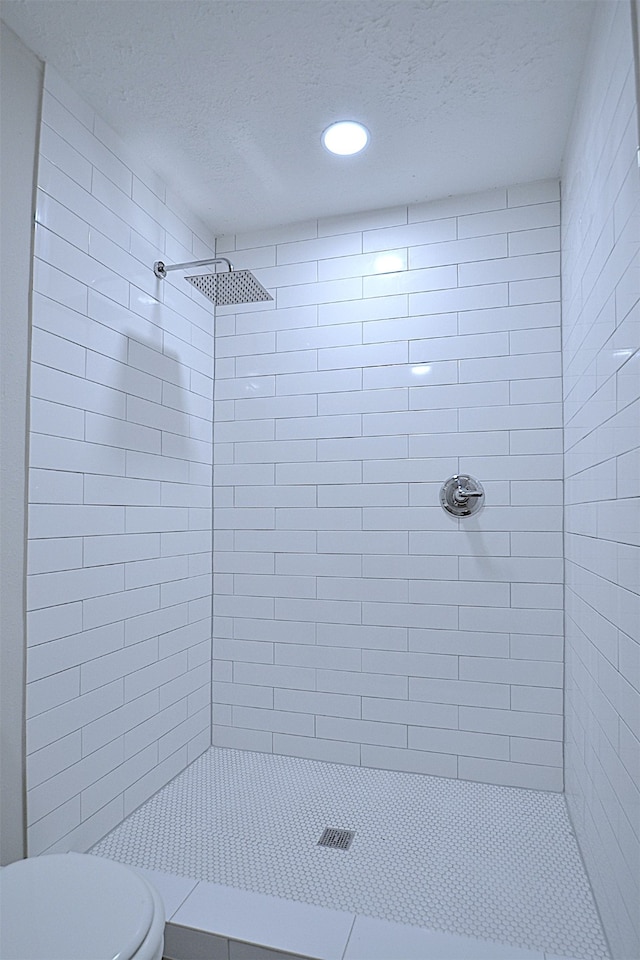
(336, 839)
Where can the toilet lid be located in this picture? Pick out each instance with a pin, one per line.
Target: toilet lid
(72, 906)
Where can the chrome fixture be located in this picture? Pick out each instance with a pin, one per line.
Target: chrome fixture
(461, 495)
(224, 288)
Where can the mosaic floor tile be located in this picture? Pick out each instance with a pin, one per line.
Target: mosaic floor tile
(497, 863)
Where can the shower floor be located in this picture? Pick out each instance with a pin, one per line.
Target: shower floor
(494, 863)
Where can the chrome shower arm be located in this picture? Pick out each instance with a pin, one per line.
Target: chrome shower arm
(161, 269)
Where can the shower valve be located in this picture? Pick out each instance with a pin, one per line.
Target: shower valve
(461, 495)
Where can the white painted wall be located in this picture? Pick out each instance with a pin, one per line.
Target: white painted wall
(601, 324)
(21, 85)
(119, 585)
(356, 621)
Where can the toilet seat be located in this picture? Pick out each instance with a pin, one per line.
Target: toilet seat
(73, 906)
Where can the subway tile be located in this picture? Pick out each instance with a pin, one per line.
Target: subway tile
(323, 248)
(410, 614)
(322, 704)
(367, 355)
(327, 291)
(362, 731)
(536, 699)
(458, 299)
(45, 589)
(545, 339)
(403, 470)
(509, 269)
(409, 761)
(54, 758)
(409, 328)
(55, 486)
(516, 417)
(97, 611)
(410, 567)
(51, 691)
(362, 265)
(459, 742)
(348, 425)
(410, 712)
(410, 281)
(506, 221)
(362, 636)
(72, 715)
(510, 368)
(363, 448)
(278, 451)
(410, 664)
(276, 496)
(276, 675)
(368, 494)
(534, 291)
(547, 622)
(318, 565)
(320, 382)
(459, 347)
(495, 199)
(357, 311)
(459, 642)
(510, 774)
(54, 555)
(464, 692)
(371, 220)
(460, 592)
(548, 753)
(511, 723)
(513, 317)
(273, 720)
(314, 748)
(362, 401)
(539, 240)
(417, 373)
(419, 232)
(321, 657)
(326, 611)
(361, 684)
(527, 672)
(53, 420)
(458, 251)
(409, 422)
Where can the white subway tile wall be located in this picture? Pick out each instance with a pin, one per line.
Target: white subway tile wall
(119, 585)
(355, 621)
(601, 321)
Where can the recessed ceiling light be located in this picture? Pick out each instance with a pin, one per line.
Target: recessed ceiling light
(345, 137)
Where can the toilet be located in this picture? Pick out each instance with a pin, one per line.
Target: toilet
(74, 906)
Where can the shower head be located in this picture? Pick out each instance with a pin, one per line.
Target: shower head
(224, 288)
(230, 286)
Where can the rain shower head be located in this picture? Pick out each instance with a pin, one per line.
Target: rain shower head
(230, 286)
(224, 288)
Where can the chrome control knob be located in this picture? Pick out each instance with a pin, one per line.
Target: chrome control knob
(461, 495)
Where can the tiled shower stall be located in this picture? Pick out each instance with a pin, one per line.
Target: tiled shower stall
(352, 620)
(355, 620)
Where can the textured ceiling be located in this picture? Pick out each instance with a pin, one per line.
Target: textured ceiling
(226, 99)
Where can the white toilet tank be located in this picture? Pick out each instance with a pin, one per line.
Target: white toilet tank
(74, 906)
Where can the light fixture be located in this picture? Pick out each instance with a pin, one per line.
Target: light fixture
(345, 138)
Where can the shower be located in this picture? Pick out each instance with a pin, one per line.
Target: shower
(223, 288)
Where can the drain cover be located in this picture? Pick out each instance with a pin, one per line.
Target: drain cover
(336, 839)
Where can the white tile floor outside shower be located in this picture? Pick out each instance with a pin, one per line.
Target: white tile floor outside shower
(462, 859)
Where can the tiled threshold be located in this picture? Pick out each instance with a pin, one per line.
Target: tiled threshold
(209, 921)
